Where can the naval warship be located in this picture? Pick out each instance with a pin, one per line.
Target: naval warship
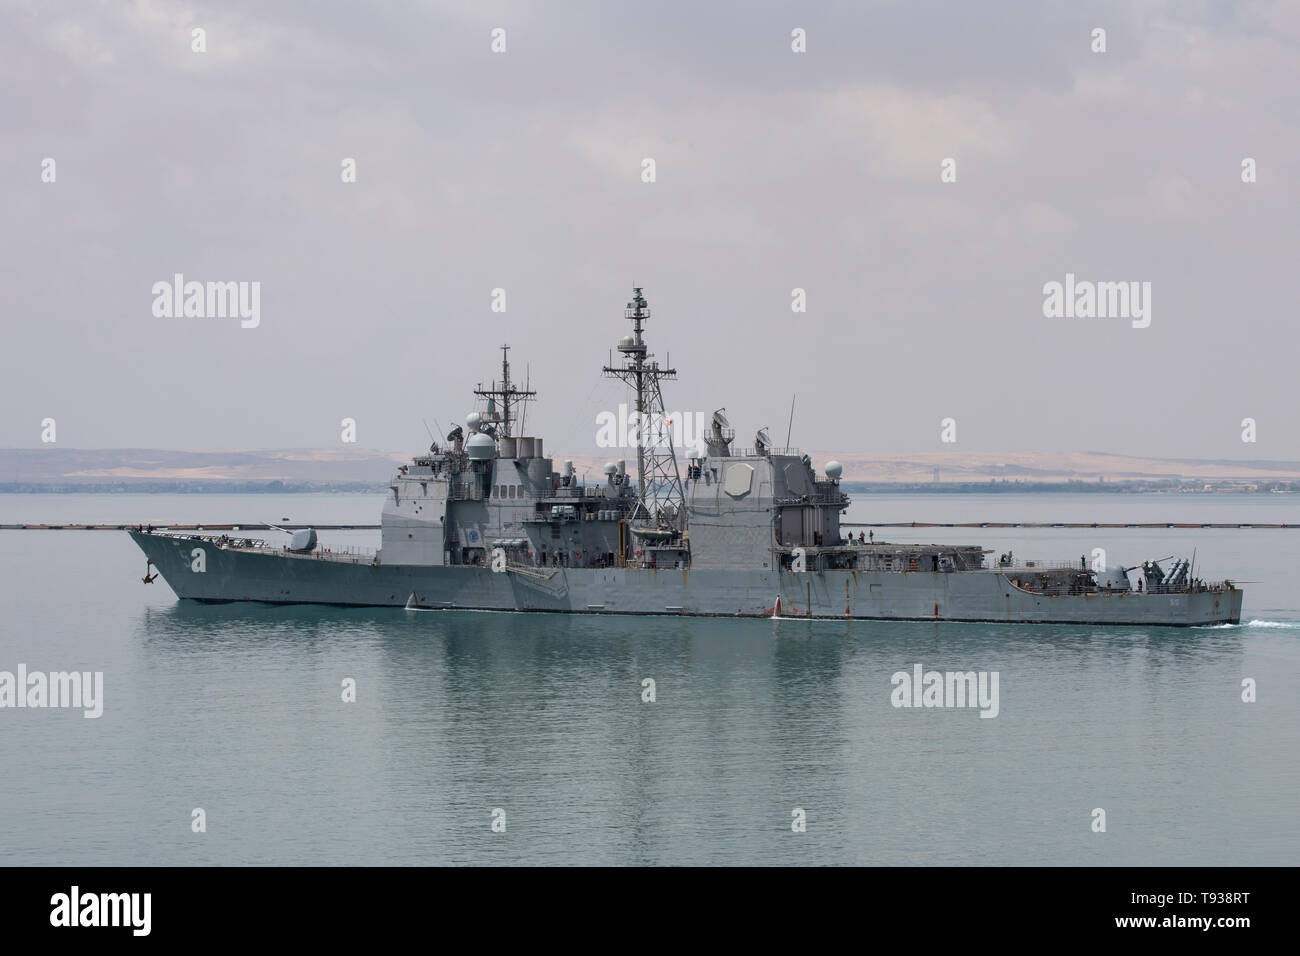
(486, 521)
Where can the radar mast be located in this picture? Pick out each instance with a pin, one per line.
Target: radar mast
(659, 490)
(507, 394)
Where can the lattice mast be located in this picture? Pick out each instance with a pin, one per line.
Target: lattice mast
(659, 490)
(506, 394)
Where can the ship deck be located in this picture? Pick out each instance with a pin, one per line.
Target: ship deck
(227, 542)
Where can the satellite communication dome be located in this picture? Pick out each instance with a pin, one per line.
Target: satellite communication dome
(611, 468)
(473, 419)
(833, 470)
(627, 343)
(692, 453)
(480, 447)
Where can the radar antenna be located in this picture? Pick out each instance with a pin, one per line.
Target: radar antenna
(721, 435)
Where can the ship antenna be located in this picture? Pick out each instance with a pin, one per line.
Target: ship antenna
(790, 430)
(508, 394)
(523, 402)
(505, 387)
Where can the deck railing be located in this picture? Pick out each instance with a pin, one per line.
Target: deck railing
(350, 553)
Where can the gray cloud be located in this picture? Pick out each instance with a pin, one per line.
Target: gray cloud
(775, 170)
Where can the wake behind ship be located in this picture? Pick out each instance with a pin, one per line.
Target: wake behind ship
(486, 522)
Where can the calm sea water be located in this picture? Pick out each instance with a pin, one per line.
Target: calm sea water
(237, 710)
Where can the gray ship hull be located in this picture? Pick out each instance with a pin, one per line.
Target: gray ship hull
(233, 574)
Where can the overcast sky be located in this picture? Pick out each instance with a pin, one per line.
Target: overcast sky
(522, 170)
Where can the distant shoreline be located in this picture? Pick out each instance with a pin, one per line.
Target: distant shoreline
(60, 470)
(192, 488)
(998, 487)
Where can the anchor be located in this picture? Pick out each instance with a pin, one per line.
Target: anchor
(149, 578)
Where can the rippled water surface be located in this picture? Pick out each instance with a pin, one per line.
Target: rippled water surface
(237, 710)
